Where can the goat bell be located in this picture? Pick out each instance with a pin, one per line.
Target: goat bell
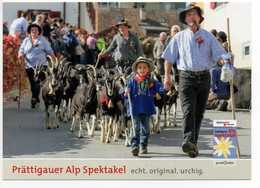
(110, 104)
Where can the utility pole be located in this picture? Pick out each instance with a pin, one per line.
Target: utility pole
(96, 15)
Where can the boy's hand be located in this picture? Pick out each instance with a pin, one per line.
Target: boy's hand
(127, 90)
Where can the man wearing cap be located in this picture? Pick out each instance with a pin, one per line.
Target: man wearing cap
(193, 50)
(34, 48)
(127, 45)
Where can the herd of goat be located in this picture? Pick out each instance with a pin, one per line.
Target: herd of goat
(95, 93)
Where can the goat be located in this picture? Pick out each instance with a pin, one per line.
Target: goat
(165, 101)
(69, 90)
(52, 91)
(40, 74)
(108, 99)
(85, 103)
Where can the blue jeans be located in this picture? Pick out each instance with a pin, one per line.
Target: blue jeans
(142, 130)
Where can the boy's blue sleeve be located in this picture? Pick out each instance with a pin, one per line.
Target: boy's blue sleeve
(159, 88)
(129, 85)
(123, 93)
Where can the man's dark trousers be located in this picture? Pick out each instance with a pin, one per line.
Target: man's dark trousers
(194, 91)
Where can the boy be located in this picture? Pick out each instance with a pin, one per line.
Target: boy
(141, 89)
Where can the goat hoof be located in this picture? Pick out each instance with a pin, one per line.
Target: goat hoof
(48, 127)
(127, 144)
(175, 125)
(80, 136)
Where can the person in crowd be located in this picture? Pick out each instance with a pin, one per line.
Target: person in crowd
(80, 49)
(127, 45)
(219, 91)
(70, 43)
(193, 50)
(222, 35)
(20, 26)
(174, 30)
(5, 28)
(34, 15)
(141, 89)
(91, 45)
(39, 20)
(34, 48)
(158, 49)
(102, 47)
(214, 32)
(46, 29)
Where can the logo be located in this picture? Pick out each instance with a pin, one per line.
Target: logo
(226, 163)
(224, 123)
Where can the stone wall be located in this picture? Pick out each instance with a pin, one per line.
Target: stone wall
(242, 80)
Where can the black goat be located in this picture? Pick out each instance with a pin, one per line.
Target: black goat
(85, 103)
(108, 99)
(52, 91)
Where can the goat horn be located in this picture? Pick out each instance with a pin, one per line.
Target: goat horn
(52, 63)
(42, 63)
(120, 70)
(124, 80)
(37, 64)
(127, 70)
(94, 70)
(63, 61)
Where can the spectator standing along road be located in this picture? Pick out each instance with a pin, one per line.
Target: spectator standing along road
(158, 49)
(5, 28)
(20, 26)
(91, 52)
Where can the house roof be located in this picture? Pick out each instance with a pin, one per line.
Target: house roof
(108, 17)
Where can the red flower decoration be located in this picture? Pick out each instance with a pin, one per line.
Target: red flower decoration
(199, 40)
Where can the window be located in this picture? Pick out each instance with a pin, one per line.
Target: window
(119, 18)
(246, 50)
(162, 20)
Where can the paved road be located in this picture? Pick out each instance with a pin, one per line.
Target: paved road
(25, 136)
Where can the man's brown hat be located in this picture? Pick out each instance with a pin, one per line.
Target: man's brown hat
(189, 7)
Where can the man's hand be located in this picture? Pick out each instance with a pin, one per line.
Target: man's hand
(100, 55)
(167, 83)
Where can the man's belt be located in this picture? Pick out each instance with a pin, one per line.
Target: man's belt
(198, 73)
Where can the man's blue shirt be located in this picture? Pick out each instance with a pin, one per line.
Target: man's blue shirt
(189, 54)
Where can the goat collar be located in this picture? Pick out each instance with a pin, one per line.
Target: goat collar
(140, 78)
(105, 99)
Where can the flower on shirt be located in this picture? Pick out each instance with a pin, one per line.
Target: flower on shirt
(132, 43)
(151, 83)
(36, 44)
(199, 40)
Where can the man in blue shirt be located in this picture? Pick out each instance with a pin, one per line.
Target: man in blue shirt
(193, 50)
(219, 91)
